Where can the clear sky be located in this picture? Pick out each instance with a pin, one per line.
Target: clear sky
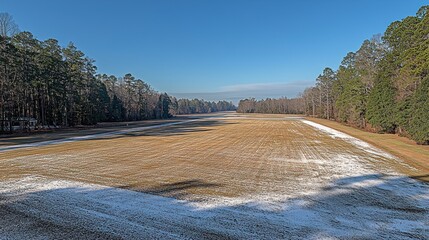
(213, 49)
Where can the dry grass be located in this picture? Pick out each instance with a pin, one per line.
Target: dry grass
(404, 148)
(54, 134)
(241, 176)
(212, 157)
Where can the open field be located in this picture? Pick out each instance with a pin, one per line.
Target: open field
(100, 128)
(406, 149)
(218, 176)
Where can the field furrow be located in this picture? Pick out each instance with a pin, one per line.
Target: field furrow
(229, 176)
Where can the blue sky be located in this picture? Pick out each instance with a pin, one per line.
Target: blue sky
(213, 49)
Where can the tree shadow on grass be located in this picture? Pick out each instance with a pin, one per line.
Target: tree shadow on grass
(104, 127)
(371, 206)
(177, 190)
(423, 178)
(160, 130)
(180, 129)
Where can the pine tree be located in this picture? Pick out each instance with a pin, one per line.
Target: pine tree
(419, 117)
(381, 106)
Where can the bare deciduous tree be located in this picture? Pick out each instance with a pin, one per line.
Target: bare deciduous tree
(8, 27)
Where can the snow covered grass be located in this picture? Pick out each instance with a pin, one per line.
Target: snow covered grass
(368, 206)
(357, 142)
(93, 136)
(237, 178)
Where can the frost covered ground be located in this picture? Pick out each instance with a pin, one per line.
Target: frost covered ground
(237, 177)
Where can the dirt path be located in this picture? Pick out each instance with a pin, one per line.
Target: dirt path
(234, 176)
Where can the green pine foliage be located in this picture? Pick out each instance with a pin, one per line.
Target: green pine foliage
(402, 116)
(419, 114)
(381, 107)
(350, 104)
(385, 83)
(60, 87)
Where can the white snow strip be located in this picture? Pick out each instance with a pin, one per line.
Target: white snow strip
(348, 209)
(357, 142)
(95, 136)
(339, 195)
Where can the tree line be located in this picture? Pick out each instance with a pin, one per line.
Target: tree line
(186, 106)
(59, 86)
(269, 105)
(383, 86)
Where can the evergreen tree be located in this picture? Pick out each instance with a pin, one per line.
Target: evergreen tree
(164, 106)
(381, 106)
(419, 114)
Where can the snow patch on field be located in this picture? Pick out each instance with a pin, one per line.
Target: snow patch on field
(94, 136)
(357, 142)
(320, 191)
(369, 206)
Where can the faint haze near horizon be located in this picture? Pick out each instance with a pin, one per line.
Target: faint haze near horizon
(213, 50)
(235, 93)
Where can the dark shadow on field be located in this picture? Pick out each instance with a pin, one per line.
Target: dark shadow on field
(178, 190)
(62, 133)
(423, 178)
(175, 128)
(379, 195)
(101, 128)
(371, 206)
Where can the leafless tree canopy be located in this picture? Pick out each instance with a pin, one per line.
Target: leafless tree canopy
(8, 27)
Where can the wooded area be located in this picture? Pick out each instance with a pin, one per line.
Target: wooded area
(51, 86)
(384, 86)
(186, 106)
(269, 105)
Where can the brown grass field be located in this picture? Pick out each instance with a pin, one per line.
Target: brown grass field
(226, 162)
(402, 147)
(237, 156)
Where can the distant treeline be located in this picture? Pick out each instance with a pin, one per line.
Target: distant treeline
(186, 106)
(281, 105)
(59, 86)
(384, 86)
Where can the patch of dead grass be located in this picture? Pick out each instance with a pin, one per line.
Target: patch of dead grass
(232, 158)
(402, 147)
